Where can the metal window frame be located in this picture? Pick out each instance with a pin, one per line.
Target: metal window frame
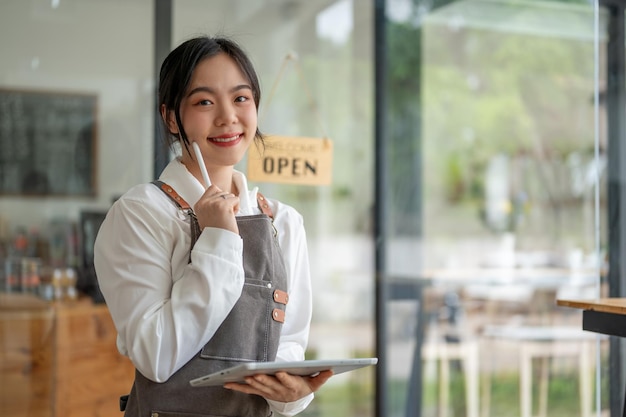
(616, 184)
(162, 46)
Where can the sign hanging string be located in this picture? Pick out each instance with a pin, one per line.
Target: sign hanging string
(292, 57)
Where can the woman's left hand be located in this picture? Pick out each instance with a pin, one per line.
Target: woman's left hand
(283, 387)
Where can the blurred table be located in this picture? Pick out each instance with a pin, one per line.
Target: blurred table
(512, 283)
(602, 315)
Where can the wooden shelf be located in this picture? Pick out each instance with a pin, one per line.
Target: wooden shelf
(59, 359)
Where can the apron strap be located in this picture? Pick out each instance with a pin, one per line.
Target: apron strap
(195, 227)
(183, 205)
(173, 195)
(265, 208)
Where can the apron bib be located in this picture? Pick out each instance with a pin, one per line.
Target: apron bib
(250, 333)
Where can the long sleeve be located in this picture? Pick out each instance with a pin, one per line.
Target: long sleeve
(164, 308)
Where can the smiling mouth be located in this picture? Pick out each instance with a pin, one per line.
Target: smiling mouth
(225, 139)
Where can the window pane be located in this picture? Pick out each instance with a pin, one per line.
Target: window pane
(76, 130)
(315, 62)
(491, 118)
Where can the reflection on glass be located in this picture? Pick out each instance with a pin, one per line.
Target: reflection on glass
(493, 177)
(327, 91)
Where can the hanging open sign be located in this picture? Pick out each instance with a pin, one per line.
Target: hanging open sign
(291, 160)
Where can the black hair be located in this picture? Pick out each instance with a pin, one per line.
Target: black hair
(178, 67)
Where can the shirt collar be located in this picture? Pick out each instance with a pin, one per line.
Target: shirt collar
(190, 189)
(246, 196)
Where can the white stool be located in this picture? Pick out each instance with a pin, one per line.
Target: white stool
(547, 342)
(443, 353)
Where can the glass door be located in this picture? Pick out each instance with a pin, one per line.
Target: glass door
(493, 164)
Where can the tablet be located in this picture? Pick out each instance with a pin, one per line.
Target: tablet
(303, 368)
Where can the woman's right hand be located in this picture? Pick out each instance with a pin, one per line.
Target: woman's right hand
(217, 208)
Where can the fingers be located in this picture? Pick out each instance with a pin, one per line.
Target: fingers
(217, 208)
(245, 388)
(214, 194)
(225, 196)
(215, 191)
(271, 387)
(281, 387)
(320, 379)
(264, 385)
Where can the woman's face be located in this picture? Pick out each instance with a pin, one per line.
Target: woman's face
(218, 112)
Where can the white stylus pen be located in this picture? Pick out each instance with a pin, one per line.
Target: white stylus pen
(205, 174)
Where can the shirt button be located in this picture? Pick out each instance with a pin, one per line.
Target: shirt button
(269, 285)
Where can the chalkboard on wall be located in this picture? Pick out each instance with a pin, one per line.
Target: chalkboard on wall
(47, 143)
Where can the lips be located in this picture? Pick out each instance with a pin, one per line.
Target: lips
(227, 139)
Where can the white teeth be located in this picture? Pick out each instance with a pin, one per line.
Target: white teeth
(225, 139)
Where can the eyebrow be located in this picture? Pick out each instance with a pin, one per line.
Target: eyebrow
(212, 91)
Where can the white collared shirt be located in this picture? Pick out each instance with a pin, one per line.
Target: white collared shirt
(166, 309)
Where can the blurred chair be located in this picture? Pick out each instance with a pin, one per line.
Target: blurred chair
(446, 343)
(540, 335)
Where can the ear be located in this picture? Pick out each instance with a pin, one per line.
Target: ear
(170, 120)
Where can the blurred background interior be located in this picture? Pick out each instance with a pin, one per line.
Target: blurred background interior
(478, 175)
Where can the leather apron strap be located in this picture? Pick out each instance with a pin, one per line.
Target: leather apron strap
(186, 207)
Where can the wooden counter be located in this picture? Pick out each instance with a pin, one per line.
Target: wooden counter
(604, 316)
(59, 359)
(607, 305)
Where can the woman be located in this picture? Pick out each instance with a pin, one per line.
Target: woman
(197, 278)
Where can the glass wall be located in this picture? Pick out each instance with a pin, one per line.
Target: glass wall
(96, 59)
(493, 176)
(68, 57)
(493, 161)
(315, 62)
(76, 130)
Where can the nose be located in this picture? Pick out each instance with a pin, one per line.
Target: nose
(226, 115)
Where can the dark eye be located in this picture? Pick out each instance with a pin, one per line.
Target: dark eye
(204, 102)
(241, 99)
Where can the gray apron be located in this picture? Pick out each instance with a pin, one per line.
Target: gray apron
(250, 333)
